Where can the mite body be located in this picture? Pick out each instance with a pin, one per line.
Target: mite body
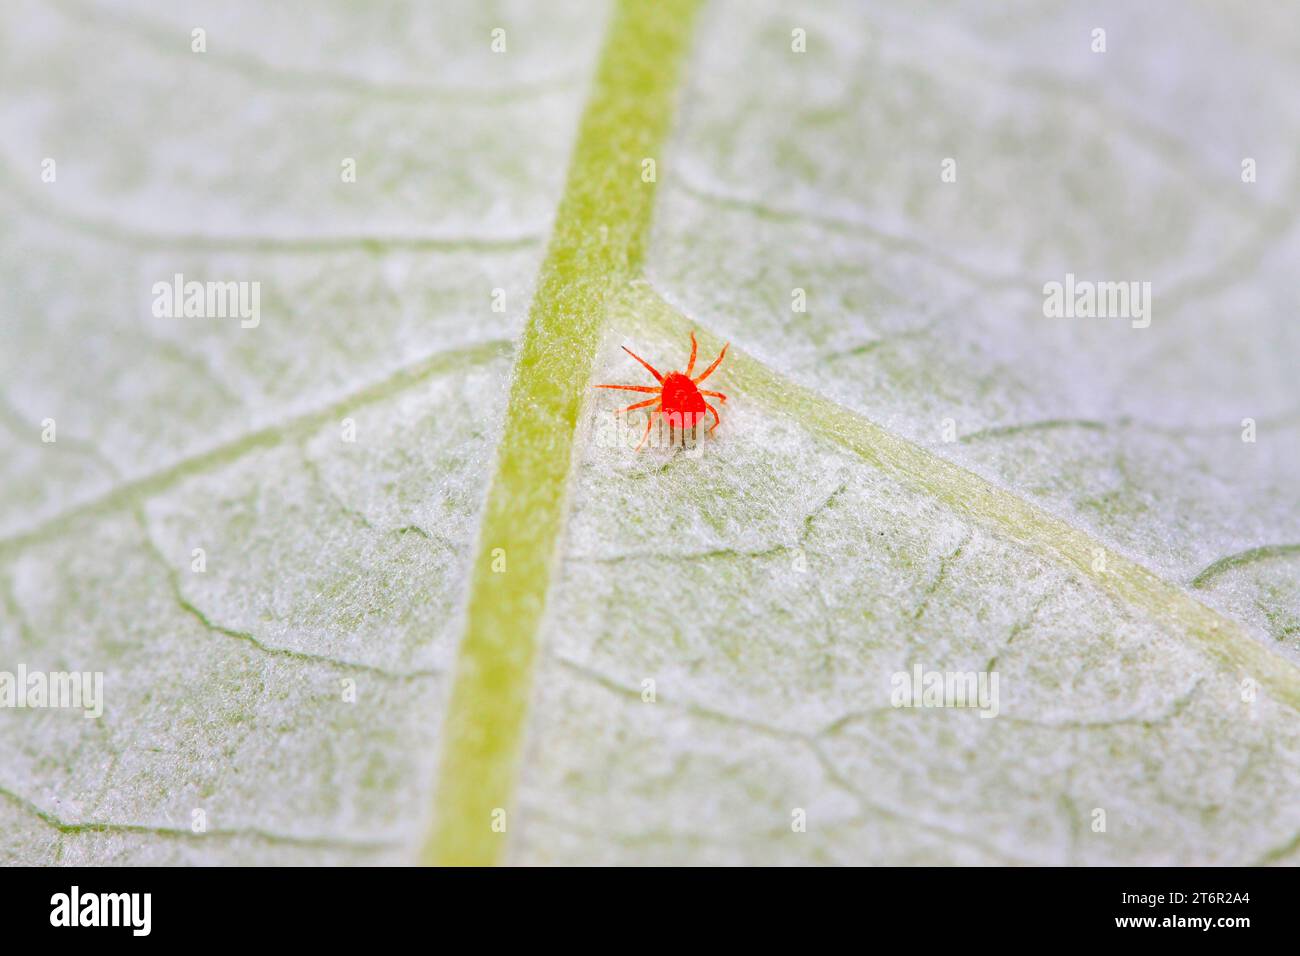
(678, 396)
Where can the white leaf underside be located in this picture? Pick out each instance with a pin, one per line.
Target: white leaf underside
(330, 560)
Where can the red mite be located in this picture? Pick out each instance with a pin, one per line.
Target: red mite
(677, 397)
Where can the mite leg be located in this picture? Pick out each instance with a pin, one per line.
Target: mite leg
(653, 371)
(716, 420)
(649, 421)
(634, 407)
(716, 362)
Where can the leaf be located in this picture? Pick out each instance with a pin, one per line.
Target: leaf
(326, 560)
(1097, 533)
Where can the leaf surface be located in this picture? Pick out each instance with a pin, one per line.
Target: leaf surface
(1096, 532)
